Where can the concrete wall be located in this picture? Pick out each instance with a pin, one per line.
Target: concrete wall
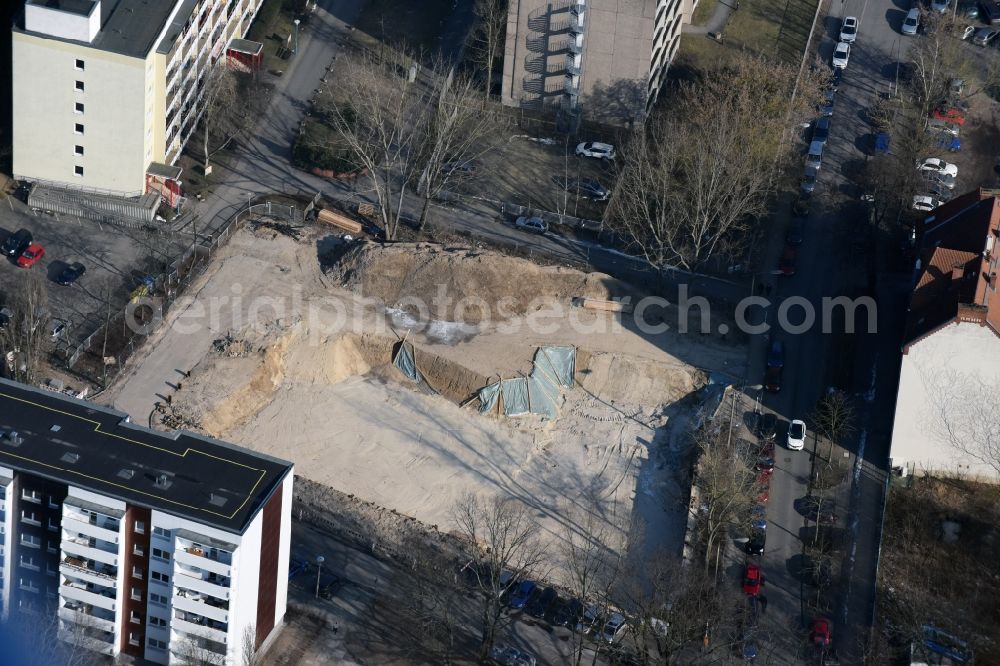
(63, 24)
(951, 372)
(117, 115)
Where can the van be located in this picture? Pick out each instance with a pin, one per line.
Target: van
(815, 157)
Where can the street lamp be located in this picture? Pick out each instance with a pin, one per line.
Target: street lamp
(319, 561)
(295, 49)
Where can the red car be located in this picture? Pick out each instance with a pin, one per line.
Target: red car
(820, 634)
(31, 256)
(949, 114)
(753, 579)
(764, 495)
(772, 379)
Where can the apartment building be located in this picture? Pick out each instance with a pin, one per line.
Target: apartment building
(169, 548)
(606, 58)
(107, 92)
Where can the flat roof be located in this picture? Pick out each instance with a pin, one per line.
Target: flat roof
(85, 445)
(128, 27)
(81, 7)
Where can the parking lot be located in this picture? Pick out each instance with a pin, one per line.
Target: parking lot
(115, 260)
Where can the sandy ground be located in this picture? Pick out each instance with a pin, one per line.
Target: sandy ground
(283, 360)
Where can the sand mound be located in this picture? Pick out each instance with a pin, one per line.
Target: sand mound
(460, 284)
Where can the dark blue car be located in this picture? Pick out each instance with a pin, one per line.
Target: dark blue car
(776, 354)
(882, 142)
(523, 594)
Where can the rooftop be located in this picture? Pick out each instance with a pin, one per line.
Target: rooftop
(128, 27)
(88, 446)
(81, 7)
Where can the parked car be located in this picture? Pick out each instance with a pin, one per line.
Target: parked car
(31, 255)
(949, 114)
(939, 191)
(5, 316)
(796, 435)
(523, 593)
(786, 264)
(753, 579)
(849, 29)
(567, 613)
(71, 273)
(841, 54)
(588, 620)
(826, 107)
(802, 205)
(613, 628)
(16, 243)
(983, 36)
(989, 11)
(604, 151)
(966, 32)
(969, 10)
(912, 21)
(767, 425)
(758, 517)
(776, 354)
(835, 79)
(882, 143)
(772, 379)
(814, 158)
(925, 203)
(821, 129)
(940, 6)
(534, 225)
(941, 179)
(537, 606)
(460, 169)
(820, 634)
(506, 655)
(587, 187)
(57, 328)
(765, 465)
(808, 184)
(937, 165)
(942, 126)
(756, 543)
(795, 233)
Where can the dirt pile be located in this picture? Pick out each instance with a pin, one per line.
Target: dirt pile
(461, 284)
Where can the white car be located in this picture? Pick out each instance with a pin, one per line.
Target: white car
(911, 22)
(940, 6)
(936, 165)
(535, 225)
(925, 203)
(613, 628)
(849, 30)
(604, 151)
(841, 54)
(796, 435)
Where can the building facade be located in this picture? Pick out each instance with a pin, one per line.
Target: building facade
(606, 58)
(167, 548)
(106, 89)
(945, 415)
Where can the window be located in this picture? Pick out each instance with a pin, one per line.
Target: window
(79, 86)
(157, 621)
(31, 496)
(30, 517)
(136, 594)
(78, 151)
(160, 532)
(53, 504)
(134, 638)
(53, 524)
(78, 107)
(161, 554)
(134, 618)
(78, 170)
(137, 572)
(159, 577)
(138, 550)
(155, 598)
(53, 547)
(140, 527)
(159, 645)
(79, 65)
(30, 541)
(78, 128)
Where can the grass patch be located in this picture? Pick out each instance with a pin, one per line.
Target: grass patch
(703, 12)
(769, 28)
(414, 26)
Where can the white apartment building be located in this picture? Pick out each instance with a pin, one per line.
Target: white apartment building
(107, 92)
(608, 58)
(168, 548)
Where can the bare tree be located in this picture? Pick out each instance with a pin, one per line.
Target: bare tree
(728, 487)
(489, 37)
(960, 414)
(21, 340)
(228, 108)
(834, 418)
(194, 652)
(693, 179)
(457, 132)
(248, 647)
(500, 535)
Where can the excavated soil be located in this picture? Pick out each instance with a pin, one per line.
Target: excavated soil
(464, 285)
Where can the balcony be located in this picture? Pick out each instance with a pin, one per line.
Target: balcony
(204, 582)
(104, 644)
(196, 625)
(91, 525)
(182, 652)
(89, 571)
(200, 557)
(86, 615)
(87, 593)
(200, 604)
(90, 549)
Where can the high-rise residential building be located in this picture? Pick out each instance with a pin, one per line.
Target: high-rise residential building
(161, 547)
(107, 92)
(606, 58)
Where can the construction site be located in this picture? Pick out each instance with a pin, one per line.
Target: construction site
(411, 375)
